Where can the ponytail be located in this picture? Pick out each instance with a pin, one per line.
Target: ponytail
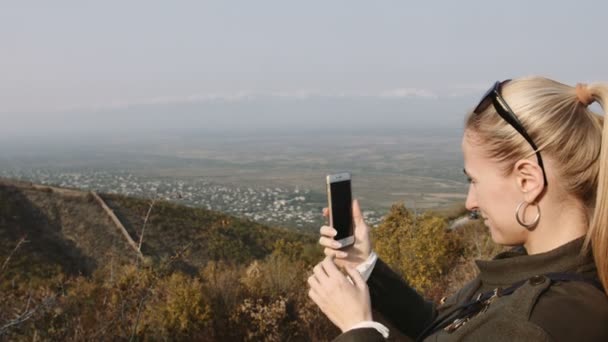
(557, 118)
(597, 235)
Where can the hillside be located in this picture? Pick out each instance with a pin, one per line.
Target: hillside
(67, 230)
(207, 235)
(71, 268)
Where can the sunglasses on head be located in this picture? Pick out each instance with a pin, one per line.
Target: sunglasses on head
(493, 97)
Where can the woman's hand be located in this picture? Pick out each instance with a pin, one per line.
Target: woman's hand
(354, 254)
(343, 302)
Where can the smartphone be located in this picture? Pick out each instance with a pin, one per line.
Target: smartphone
(340, 203)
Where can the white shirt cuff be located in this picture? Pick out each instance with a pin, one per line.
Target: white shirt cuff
(366, 267)
(371, 324)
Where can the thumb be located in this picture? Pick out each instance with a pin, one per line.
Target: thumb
(356, 277)
(357, 216)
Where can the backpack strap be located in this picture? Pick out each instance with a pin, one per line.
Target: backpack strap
(460, 315)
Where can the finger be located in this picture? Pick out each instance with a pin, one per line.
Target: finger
(329, 243)
(357, 216)
(328, 231)
(356, 277)
(320, 273)
(313, 282)
(341, 255)
(333, 252)
(315, 297)
(325, 212)
(330, 268)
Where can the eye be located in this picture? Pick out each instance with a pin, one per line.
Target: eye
(466, 174)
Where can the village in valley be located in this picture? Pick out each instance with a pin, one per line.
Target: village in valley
(296, 207)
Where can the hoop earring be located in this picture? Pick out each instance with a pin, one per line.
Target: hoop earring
(528, 226)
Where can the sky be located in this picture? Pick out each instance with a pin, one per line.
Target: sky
(77, 65)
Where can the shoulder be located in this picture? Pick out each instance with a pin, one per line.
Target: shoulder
(570, 311)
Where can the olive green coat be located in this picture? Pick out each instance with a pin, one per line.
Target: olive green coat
(539, 310)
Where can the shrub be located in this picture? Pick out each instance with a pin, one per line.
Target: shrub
(419, 247)
(177, 308)
(262, 320)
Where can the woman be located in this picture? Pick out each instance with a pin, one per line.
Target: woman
(536, 158)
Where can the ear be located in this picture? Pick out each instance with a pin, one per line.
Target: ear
(530, 181)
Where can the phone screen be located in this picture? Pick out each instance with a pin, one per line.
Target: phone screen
(341, 209)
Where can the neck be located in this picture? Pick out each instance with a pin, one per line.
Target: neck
(557, 227)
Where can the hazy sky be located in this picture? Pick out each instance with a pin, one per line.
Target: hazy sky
(66, 59)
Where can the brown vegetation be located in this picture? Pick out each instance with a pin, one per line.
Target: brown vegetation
(67, 274)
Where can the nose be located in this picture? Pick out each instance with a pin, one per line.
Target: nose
(471, 202)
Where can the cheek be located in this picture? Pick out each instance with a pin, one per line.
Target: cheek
(498, 203)
(501, 222)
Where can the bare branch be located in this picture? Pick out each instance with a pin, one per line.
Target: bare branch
(26, 314)
(143, 228)
(141, 304)
(8, 259)
(179, 254)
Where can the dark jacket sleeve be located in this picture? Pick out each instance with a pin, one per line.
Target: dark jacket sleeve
(360, 335)
(399, 303)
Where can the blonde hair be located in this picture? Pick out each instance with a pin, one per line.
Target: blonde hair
(565, 130)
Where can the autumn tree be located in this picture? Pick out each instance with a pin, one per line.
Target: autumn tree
(419, 247)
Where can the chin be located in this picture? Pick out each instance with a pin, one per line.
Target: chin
(503, 240)
(497, 238)
(496, 234)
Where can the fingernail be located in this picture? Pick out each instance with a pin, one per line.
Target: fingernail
(343, 254)
(336, 245)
